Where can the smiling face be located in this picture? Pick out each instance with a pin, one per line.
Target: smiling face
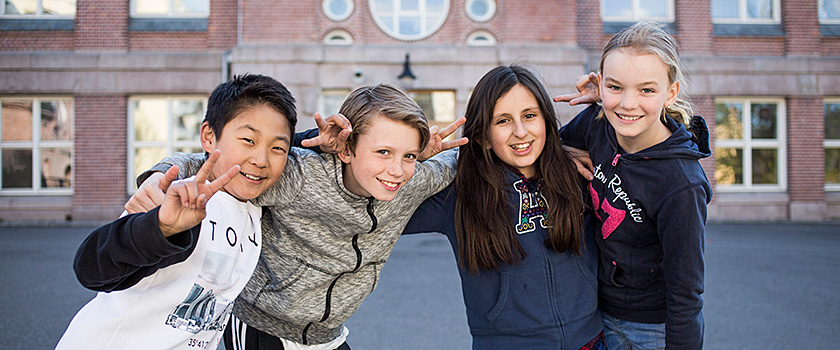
(258, 140)
(383, 159)
(634, 90)
(517, 130)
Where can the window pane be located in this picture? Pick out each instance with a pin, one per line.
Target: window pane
(618, 8)
(479, 8)
(832, 121)
(765, 166)
(830, 9)
(384, 5)
(188, 115)
(761, 9)
(730, 169)
(724, 9)
(21, 7)
(189, 150)
(438, 106)
(56, 123)
(409, 25)
(145, 158)
(60, 7)
(409, 5)
(832, 166)
(151, 7)
(728, 124)
(763, 116)
(191, 6)
(150, 120)
(16, 121)
(332, 101)
(56, 168)
(338, 7)
(653, 8)
(17, 168)
(435, 6)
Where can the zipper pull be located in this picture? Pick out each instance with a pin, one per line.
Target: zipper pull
(615, 160)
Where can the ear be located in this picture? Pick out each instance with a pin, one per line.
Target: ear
(344, 155)
(673, 92)
(208, 138)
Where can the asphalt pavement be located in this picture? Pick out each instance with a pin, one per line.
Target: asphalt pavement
(768, 286)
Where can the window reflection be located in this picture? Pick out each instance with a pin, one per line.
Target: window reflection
(729, 170)
(765, 167)
(728, 121)
(17, 168)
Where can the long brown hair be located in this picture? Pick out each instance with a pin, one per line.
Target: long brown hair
(483, 210)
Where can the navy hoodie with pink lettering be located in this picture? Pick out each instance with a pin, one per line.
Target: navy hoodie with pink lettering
(651, 210)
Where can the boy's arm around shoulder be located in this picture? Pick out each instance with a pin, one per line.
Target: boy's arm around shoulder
(434, 174)
(575, 132)
(434, 213)
(118, 255)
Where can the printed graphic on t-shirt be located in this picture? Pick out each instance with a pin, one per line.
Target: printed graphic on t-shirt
(532, 208)
(613, 216)
(205, 308)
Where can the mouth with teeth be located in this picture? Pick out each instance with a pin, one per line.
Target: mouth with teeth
(628, 117)
(252, 177)
(389, 185)
(521, 147)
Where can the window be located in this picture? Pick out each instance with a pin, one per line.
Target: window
(746, 11)
(337, 10)
(409, 19)
(829, 11)
(159, 127)
(480, 10)
(39, 8)
(170, 8)
(832, 144)
(338, 37)
(481, 38)
(331, 100)
(636, 10)
(438, 106)
(750, 144)
(36, 145)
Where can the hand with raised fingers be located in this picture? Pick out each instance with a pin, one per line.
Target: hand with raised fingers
(185, 201)
(582, 161)
(151, 192)
(332, 133)
(587, 86)
(436, 136)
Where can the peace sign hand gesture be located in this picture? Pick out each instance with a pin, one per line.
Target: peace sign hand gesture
(185, 201)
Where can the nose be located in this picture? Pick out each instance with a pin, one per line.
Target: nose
(519, 129)
(259, 158)
(628, 101)
(395, 168)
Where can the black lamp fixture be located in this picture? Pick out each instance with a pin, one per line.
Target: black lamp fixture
(406, 77)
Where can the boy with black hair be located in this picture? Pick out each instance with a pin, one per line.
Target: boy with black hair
(167, 278)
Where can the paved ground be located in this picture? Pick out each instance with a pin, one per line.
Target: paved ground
(768, 286)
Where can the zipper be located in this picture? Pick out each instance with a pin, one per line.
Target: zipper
(615, 160)
(327, 305)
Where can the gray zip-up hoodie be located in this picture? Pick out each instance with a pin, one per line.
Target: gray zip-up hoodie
(323, 247)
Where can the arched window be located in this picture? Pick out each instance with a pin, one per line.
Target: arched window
(481, 38)
(480, 10)
(338, 37)
(409, 19)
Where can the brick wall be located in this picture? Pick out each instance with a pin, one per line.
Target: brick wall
(101, 25)
(806, 156)
(100, 156)
(802, 28)
(694, 27)
(36, 41)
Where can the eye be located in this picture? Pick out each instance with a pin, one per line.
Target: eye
(614, 88)
(648, 91)
(278, 148)
(384, 152)
(501, 121)
(411, 156)
(248, 140)
(530, 116)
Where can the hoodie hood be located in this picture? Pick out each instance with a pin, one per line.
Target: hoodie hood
(682, 143)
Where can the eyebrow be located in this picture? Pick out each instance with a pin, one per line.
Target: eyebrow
(526, 109)
(644, 83)
(280, 137)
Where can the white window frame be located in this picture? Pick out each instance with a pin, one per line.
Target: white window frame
(338, 17)
(747, 144)
(170, 144)
(636, 16)
(345, 38)
(821, 4)
(742, 15)
(472, 39)
(322, 103)
(170, 13)
(36, 144)
(831, 143)
(491, 10)
(429, 28)
(39, 13)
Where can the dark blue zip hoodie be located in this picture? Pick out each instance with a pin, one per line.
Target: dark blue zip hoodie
(652, 210)
(547, 300)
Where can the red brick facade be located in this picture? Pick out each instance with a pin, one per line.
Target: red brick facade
(101, 62)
